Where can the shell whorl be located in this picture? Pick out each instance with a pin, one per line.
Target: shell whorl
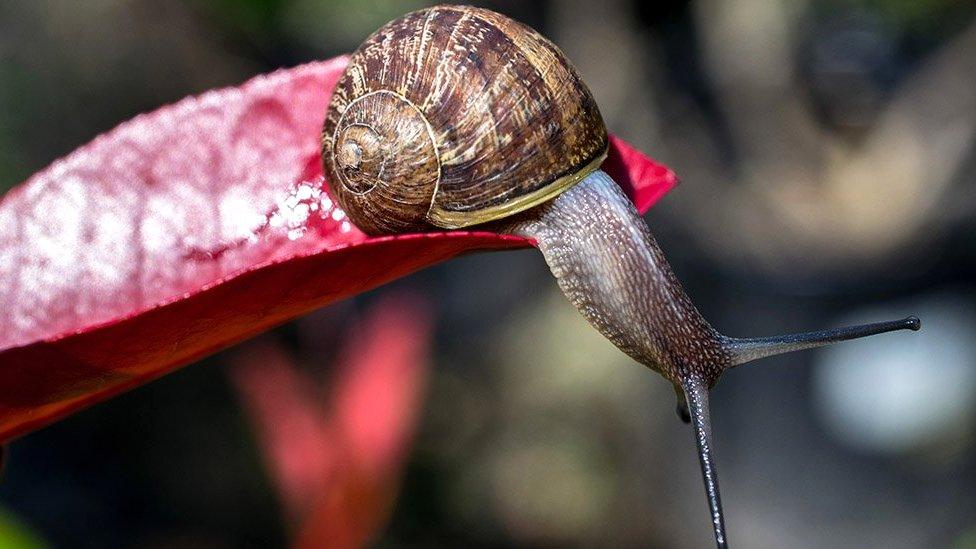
(453, 116)
(386, 161)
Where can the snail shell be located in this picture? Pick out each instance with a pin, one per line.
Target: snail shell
(453, 116)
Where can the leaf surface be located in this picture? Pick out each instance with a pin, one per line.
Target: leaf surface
(191, 228)
(336, 458)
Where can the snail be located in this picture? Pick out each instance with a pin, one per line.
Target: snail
(455, 116)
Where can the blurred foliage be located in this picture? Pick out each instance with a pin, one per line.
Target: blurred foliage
(15, 535)
(12, 169)
(252, 15)
(916, 16)
(346, 21)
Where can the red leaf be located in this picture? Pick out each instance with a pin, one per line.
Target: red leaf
(377, 397)
(297, 443)
(188, 229)
(337, 467)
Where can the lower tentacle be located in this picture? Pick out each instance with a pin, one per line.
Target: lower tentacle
(696, 395)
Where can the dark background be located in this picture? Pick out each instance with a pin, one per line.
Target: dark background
(826, 149)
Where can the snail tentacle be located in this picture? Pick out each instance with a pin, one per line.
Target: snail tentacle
(696, 397)
(748, 349)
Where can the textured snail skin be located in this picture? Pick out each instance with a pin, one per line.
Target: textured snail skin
(454, 116)
(611, 268)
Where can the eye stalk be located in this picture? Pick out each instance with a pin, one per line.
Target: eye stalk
(749, 349)
(512, 137)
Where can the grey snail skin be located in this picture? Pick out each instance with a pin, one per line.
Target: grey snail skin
(455, 116)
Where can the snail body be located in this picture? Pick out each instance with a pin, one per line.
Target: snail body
(455, 116)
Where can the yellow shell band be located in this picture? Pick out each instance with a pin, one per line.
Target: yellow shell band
(456, 220)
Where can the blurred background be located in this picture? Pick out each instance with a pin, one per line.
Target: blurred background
(826, 149)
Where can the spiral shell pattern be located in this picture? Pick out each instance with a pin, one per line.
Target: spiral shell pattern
(454, 116)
